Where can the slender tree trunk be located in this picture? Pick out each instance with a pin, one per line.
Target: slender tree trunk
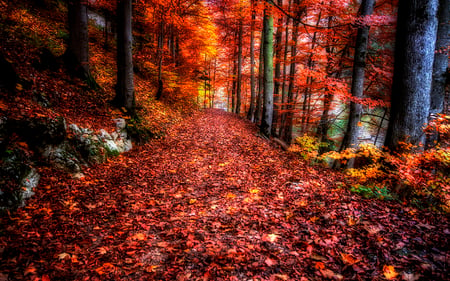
(160, 59)
(285, 67)
(259, 99)
(359, 67)
(413, 68)
(440, 67)
(251, 110)
(77, 54)
(125, 84)
(266, 122)
(287, 135)
(276, 93)
(239, 70)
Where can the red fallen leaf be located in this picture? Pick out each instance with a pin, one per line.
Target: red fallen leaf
(30, 270)
(348, 259)
(45, 278)
(319, 265)
(162, 244)
(270, 262)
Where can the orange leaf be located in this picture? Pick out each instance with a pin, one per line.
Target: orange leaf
(139, 236)
(270, 237)
(319, 265)
(389, 272)
(348, 259)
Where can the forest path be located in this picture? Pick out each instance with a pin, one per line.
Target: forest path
(213, 201)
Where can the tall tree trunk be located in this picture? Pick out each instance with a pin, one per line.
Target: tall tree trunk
(441, 57)
(259, 99)
(160, 57)
(413, 68)
(276, 93)
(285, 67)
(125, 85)
(287, 133)
(77, 54)
(266, 122)
(359, 67)
(440, 68)
(239, 70)
(251, 110)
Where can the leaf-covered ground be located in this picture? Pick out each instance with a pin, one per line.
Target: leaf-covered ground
(214, 201)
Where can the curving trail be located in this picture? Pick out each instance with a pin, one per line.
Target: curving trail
(213, 201)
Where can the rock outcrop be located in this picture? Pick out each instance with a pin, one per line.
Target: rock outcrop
(29, 142)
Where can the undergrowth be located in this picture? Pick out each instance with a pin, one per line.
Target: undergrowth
(419, 178)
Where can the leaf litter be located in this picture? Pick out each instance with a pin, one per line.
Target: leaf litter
(214, 201)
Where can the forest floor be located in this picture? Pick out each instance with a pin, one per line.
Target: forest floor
(215, 201)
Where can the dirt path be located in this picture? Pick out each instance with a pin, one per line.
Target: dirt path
(213, 201)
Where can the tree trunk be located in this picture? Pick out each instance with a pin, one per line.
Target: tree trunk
(77, 54)
(160, 57)
(276, 93)
(239, 70)
(413, 68)
(441, 57)
(125, 85)
(287, 133)
(440, 68)
(283, 84)
(251, 110)
(259, 99)
(266, 122)
(359, 67)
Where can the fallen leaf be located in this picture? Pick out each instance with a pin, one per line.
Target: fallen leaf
(389, 272)
(270, 262)
(348, 259)
(63, 256)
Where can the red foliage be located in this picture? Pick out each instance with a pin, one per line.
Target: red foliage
(213, 201)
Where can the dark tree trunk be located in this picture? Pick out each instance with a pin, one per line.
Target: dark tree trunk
(359, 67)
(77, 54)
(276, 92)
(287, 132)
(259, 99)
(283, 84)
(160, 57)
(251, 110)
(266, 122)
(413, 68)
(440, 68)
(440, 65)
(125, 85)
(239, 69)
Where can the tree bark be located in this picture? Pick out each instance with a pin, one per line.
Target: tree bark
(77, 54)
(125, 84)
(359, 67)
(251, 110)
(259, 99)
(276, 93)
(239, 70)
(440, 65)
(266, 122)
(287, 132)
(440, 69)
(283, 84)
(413, 68)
